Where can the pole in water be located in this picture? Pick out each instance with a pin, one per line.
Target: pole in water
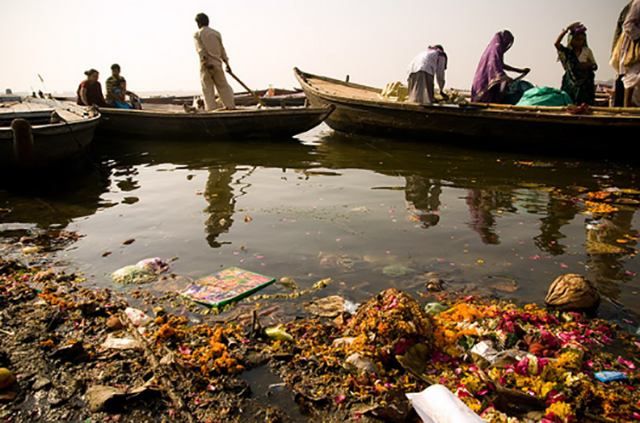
(22, 142)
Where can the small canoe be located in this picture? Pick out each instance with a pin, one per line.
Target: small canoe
(165, 121)
(362, 110)
(40, 133)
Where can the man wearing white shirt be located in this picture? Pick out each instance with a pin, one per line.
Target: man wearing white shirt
(422, 70)
(212, 55)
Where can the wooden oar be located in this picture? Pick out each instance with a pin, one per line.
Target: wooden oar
(247, 88)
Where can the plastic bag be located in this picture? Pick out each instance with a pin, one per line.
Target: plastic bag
(437, 404)
(144, 271)
(545, 96)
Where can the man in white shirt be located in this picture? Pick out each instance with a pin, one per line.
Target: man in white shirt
(212, 55)
(422, 70)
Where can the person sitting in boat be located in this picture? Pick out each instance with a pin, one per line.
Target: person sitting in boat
(212, 54)
(423, 68)
(579, 64)
(90, 90)
(119, 100)
(117, 91)
(491, 82)
(625, 58)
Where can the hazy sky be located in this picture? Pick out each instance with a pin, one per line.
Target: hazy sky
(372, 40)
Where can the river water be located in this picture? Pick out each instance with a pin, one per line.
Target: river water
(368, 213)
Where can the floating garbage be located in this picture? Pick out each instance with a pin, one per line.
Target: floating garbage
(572, 292)
(360, 364)
(144, 271)
(437, 404)
(503, 361)
(396, 270)
(227, 286)
(331, 306)
(113, 343)
(434, 308)
(278, 333)
(137, 317)
(607, 377)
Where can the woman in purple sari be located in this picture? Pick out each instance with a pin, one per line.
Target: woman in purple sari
(491, 82)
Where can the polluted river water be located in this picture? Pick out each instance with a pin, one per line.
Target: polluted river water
(368, 213)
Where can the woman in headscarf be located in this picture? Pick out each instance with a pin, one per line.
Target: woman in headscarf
(90, 90)
(579, 65)
(625, 58)
(491, 81)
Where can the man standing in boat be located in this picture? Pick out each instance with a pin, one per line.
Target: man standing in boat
(422, 70)
(212, 54)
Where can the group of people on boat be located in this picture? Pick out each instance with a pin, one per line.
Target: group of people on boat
(492, 84)
(90, 91)
(212, 55)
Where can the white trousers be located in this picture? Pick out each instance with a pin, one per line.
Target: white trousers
(213, 79)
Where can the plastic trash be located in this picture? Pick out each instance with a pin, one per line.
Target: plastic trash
(434, 308)
(360, 364)
(437, 404)
(137, 317)
(606, 377)
(121, 343)
(485, 351)
(351, 307)
(484, 355)
(144, 271)
(278, 333)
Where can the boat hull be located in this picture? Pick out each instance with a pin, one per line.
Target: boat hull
(475, 125)
(229, 125)
(52, 144)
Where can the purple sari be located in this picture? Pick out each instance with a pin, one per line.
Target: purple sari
(490, 80)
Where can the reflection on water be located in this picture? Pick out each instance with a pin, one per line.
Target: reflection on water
(368, 213)
(484, 205)
(219, 195)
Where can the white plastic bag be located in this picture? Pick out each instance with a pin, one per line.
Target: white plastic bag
(437, 404)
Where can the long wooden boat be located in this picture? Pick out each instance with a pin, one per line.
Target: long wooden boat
(172, 121)
(39, 133)
(362, 110)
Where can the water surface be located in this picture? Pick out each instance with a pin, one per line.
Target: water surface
(368, 213)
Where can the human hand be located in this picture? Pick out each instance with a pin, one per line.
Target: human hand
(228, 68)
(526, 71)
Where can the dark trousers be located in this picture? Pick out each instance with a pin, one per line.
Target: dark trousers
(618, 100)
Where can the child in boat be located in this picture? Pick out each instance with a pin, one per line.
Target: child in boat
(579, 64)
(117, 91)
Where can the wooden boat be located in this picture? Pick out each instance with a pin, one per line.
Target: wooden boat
(172, 121)
(38, 133)
(361, 110)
